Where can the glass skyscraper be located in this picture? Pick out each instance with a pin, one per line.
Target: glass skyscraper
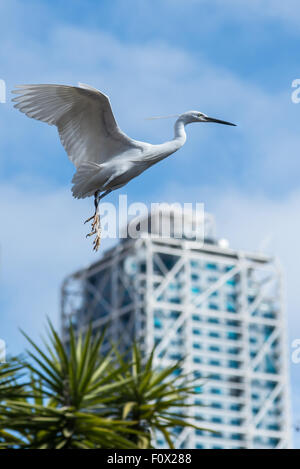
(219, 309)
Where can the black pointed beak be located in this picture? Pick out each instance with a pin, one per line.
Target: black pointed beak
(218, 121)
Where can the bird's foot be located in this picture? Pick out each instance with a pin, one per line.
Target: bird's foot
(96, 230)
(89, 219)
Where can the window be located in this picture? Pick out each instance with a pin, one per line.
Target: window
(175, 356)
(196, 317)
(231, 308)
(215, 391)
(236, 407)
(214, 362)
(231, 282)
(237, 436)
(216, 405)
(233, 350)
(214, 348)
(211, 266)
(157, 323)
(236, 422)
(232, 335)
(174, 314)
(213, 320)
(233, 364)
(216, 420)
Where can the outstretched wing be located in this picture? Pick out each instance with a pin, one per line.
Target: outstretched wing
(83, 116)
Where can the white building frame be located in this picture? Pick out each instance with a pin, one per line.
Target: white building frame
(261, 423)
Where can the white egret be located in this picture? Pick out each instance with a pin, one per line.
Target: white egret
(105, 157)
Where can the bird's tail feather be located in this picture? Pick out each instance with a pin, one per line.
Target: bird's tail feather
(83, 179)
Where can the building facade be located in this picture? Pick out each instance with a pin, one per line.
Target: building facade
(219, 309)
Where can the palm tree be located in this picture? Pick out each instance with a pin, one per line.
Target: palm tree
(78, 397)
(69, 398)
(11, 388)
(154, 398)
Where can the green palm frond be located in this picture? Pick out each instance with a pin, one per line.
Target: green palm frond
(70, 397)
(10, 375)
(76, 397)
(12, 387)
(155, 398)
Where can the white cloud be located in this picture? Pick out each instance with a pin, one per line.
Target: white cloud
(285, 12)
(42, 239)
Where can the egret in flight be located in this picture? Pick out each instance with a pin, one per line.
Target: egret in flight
(105, 157)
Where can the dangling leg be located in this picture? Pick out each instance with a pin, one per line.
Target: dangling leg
(96, 203)
(96, 227)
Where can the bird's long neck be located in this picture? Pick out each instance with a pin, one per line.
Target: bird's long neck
(179, 133)
(165, 149)
(178, 140)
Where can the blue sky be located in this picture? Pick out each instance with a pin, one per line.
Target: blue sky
(233, 60)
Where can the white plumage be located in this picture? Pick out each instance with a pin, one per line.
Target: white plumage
(105, 157)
